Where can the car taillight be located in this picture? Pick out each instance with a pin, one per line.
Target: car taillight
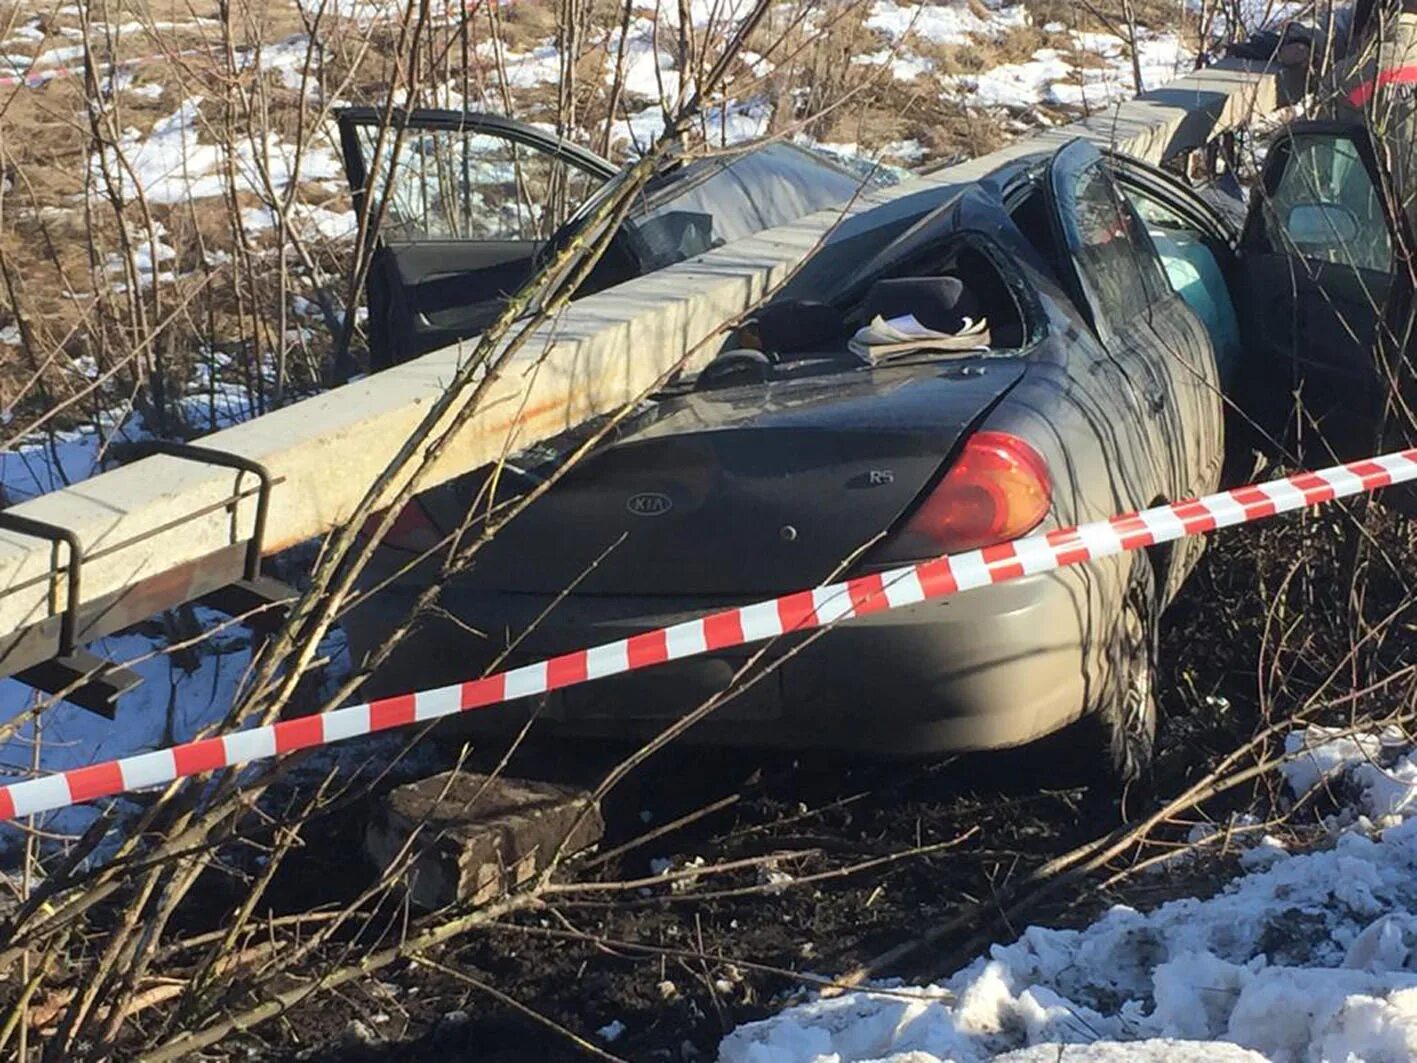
(411, 529)
(997, 489)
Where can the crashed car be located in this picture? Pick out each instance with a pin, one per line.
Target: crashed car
(959, 366)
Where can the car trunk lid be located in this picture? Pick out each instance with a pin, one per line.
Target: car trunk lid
(748, 490)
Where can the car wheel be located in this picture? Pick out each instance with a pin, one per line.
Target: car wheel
(1125, 720)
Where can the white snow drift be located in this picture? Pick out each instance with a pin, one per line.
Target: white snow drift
(1312, 958)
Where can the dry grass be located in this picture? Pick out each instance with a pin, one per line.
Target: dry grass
(59, 229)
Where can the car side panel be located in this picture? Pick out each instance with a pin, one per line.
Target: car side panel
(1190, 430)
(1159, 346)
(1084, 413)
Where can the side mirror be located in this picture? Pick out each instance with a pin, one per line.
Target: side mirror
(1321, 224)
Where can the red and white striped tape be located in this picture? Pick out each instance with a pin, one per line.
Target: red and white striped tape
(36, 78)
(801, 611)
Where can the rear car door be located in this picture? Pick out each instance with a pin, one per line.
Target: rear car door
(1157, 355)
(1195, 235)
(1315, 274)
(459, 205)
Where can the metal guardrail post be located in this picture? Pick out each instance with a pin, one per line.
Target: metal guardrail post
(77, 675)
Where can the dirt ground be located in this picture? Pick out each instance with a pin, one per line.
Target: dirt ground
(679, 970)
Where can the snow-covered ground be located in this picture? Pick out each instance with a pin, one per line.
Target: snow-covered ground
(1053, 76)
(1305, 957)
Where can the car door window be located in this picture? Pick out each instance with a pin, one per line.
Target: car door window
(1325, 205)
(1158, 215)
(459, 205)
(715, 201)
(1316, 271)
(1117, 268)
(453, 184)
(1187, 248)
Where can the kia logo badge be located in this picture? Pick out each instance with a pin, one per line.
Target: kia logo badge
(649, 504)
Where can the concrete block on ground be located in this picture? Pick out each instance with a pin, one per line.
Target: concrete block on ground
(477, 837)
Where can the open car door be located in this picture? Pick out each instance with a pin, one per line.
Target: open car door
(1314, 277)
(460, 204)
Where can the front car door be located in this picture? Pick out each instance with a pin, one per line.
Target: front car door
(1195, 233)
(459, 205)
(1315, 278)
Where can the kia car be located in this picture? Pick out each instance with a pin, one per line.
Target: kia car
(1123, 331)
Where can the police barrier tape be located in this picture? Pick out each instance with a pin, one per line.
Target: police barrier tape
(800, 611)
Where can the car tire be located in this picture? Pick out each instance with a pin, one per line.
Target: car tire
(1124, 722)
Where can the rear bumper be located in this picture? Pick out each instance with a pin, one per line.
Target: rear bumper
(991, 668)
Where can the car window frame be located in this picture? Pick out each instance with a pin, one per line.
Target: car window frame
(1255, 238)
(1069, 163)
(1175, 194)
(403, 121)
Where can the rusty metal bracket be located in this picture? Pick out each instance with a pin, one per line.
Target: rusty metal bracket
(87, 680)
(211, 456)
(260, 598)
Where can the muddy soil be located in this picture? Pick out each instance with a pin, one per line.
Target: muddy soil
(669, 973)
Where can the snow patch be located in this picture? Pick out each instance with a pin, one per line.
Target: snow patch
(1385, 777)
(648, 70)
(1305, 957)
(903, 66)
(947, 23)
(524, 70)
(307, 219)
(733, 123)
(150, 90)
(170, 164)
(1016, 85)
(145, 254)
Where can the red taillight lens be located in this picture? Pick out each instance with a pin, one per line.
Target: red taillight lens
(998, 489)
(411, 529)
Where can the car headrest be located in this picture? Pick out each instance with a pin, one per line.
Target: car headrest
(793, 326)
(939, 303)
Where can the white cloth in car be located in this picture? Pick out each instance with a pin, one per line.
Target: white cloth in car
(884, 336)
